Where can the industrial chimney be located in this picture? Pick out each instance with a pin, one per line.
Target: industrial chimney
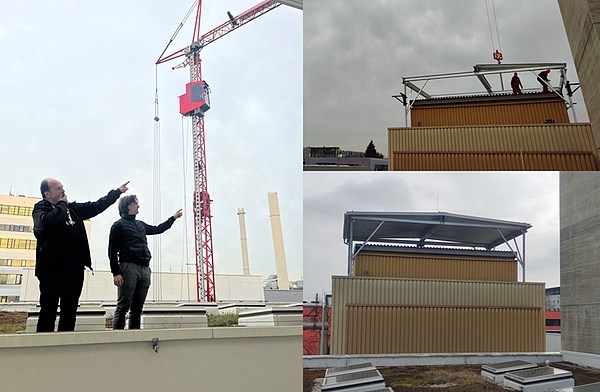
(282, 274)
(241, 215)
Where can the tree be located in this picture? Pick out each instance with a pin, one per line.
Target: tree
(371, 151)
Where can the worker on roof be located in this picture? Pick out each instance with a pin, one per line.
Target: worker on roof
(516, 84)
(543, 79)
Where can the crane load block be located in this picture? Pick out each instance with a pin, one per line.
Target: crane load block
(196, 100)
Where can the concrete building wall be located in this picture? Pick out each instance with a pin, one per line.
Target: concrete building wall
(580, 201)
(582, 23)
(176, 287)
(195, 359)
(580, 262)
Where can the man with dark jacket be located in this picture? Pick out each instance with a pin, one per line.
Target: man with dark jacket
(62, 251)
(130, 260)
(543, 79)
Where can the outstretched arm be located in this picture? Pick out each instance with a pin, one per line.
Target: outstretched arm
(166, 225)
(92, 208)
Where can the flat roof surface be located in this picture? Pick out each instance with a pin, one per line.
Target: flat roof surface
(430, 228)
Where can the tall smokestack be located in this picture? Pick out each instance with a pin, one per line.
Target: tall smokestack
(241, 215)
(282, 274)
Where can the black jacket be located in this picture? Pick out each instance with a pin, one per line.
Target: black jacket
(127, 242)
(61, 246)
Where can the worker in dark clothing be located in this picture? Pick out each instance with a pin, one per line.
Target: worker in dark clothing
(62, 251)
(515, 83)
(543, 79)
(130, 260)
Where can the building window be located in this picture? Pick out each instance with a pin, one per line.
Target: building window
(18, 228)
(17, 263)
(27, 263)
(15, 210)
(12, 243)
(552, 322)
(9, 298)
(11, 279)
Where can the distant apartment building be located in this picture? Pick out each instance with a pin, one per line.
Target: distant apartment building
(336, 159)
(492, 130)
(553, 309)
(553, 298)
(17, 244)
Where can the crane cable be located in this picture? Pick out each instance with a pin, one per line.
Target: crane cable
(495, 23)
(179, 28)
(156, 205)
(185, 260)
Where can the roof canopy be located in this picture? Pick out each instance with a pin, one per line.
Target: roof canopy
(428, 228)
(423, 228)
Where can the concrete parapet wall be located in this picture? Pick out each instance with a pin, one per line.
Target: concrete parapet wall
(194, 359)
(327, 361)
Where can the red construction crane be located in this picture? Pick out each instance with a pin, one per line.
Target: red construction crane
(194, 103)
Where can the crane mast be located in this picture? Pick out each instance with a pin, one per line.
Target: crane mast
(194, 103)
(205, 274)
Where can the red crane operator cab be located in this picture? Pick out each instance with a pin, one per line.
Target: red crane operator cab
(196, 99)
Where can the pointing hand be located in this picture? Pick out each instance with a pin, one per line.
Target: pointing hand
(177, 214)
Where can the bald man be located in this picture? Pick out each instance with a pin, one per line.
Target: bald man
(62, 251)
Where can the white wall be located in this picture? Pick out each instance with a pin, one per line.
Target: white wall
(175, 287)
(197, 359)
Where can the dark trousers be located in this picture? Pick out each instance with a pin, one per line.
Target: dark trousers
(62, 288)
(132, 295)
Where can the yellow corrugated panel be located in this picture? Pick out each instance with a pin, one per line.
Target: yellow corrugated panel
(420, 293)
(435, 267)
(564, 147)
(393, 329)
(490, 113)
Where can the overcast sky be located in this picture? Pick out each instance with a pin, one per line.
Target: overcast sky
(520, 197)
(77, 89)
(356, 53)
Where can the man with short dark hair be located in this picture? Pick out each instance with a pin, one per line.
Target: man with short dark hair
(63, 251)
(130, 260)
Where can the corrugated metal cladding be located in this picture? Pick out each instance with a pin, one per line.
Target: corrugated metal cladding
(391, 294)
(407, 329)
(442, 113)
(435, 267)
(565, 147)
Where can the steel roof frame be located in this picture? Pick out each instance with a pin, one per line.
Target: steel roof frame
(458, 232)
(480, 71)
